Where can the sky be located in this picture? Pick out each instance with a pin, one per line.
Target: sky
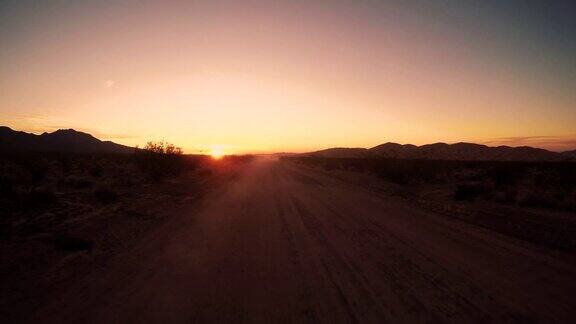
(270, 76)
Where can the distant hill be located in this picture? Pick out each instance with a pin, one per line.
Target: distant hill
(570, 154)
(62, 140)
(342, 152)
(394, 150)
(443, 151)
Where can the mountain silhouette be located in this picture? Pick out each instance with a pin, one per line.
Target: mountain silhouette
(337, 152)
(443, 151)
(62, 140)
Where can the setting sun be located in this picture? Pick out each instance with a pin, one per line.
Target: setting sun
(216, 152)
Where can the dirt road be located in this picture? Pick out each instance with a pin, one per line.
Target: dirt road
(285, 244)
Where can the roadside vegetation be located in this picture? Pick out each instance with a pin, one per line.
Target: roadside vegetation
(534, 201)
(549, 185)
(159, 160)
(63, 213)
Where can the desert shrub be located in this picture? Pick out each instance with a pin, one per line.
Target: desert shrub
(8, 193)
(506, 174)
(349, 166)
(65, 164)
(159, 160)
(537, 198)
(10, 177)
(469, 191)
(36, 166)
(541, 184)
(329, 166)
(82, 183)
(76, 182)
(96, 171)
(69, 243)
(6, 187)
(106, 195)
(39, 197)
(505, 196)
(399, 172)
(570, 202)
(395, 175)
(38, 169)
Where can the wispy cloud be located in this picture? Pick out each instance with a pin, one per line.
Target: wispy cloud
(554, 143)
(109, 84)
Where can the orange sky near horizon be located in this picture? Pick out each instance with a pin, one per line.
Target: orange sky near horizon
(254, 77)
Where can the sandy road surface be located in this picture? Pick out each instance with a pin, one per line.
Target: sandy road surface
(286, 244)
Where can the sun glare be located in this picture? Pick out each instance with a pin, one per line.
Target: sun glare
(216, 152)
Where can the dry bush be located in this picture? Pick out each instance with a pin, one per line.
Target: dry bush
(549, 185)
(469, 191)
(106, 195)
(159, 160)
(39, 198)
(65, 242)
(96, 171)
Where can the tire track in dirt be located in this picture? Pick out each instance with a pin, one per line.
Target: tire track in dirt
(305, 287)
(386, 245)
(342, 277)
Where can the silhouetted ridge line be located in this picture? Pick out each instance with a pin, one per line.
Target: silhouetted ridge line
(570, 154)
(62, 140)
(442, 151)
